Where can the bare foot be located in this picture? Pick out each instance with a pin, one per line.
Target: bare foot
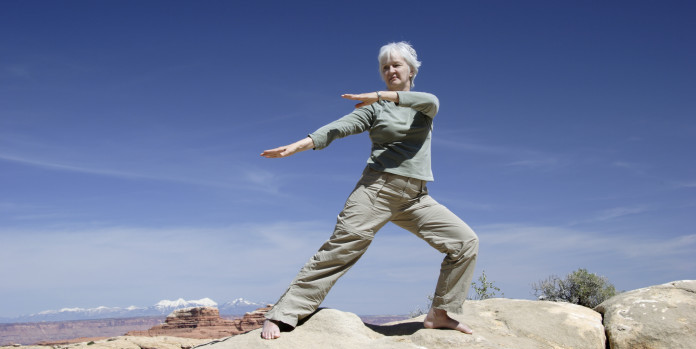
(438, 318)
(270, 330)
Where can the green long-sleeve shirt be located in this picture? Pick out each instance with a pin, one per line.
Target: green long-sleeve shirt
(400, 133)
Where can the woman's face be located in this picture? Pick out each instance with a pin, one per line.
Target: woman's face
(396, 73)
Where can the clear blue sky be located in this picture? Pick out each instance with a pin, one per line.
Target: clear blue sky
(130, 134)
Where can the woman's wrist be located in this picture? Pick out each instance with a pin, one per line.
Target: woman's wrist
(305, 143)
(392, 96)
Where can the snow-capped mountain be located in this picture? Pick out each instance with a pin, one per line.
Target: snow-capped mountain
(162, 308)
(165, 306)
(239, 306)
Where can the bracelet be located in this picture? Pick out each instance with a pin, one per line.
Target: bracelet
(379, 97)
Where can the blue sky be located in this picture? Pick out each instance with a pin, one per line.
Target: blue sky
(130, 134)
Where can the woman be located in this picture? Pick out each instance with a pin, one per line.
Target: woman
(392, 189)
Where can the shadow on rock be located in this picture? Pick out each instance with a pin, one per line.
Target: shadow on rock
(402, 329)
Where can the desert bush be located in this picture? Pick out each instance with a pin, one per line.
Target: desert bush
(483, 289)
(579, 287)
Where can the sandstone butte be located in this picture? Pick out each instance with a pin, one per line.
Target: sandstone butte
(204, 322)
(656, 317)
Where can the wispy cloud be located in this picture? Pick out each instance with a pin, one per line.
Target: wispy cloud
(685, 184)
(560, 239)
(474, 147)
(194, 173)
(173, 251)
(508, 156)
(539, 163)
(618, 212)
(639, 169)
(70, 168)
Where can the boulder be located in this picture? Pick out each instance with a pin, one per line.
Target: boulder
(662, 316)
(520, 324)
(497, 323)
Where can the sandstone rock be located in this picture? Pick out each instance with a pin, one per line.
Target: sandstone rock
(204, 322)
(327, 328)
(497, 323)
(510, 323)
(662, 316)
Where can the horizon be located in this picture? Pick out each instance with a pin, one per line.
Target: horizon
(130, 135)
(169, 306)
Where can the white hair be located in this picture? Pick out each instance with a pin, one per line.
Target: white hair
(405, 50)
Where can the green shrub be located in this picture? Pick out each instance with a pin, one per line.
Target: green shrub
(484, 289)
(579, 287)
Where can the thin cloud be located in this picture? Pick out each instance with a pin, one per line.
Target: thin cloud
(561, 240)
(69, 168)
(521, 158)
(618, 212)
(540, 163)
(473, 147)
(251, 180)
(691, 184)
(638, 169)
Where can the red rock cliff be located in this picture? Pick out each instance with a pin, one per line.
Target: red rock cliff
(204, 322)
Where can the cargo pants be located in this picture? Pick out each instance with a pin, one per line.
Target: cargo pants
(377, 199)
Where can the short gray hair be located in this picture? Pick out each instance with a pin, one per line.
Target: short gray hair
(405, 50)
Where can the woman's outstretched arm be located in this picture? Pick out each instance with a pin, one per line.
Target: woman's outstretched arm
(287, 150)
(371, 97)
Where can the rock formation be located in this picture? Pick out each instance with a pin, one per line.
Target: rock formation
(203, 322)
(657, 317)
(497, 323)
(662, 316)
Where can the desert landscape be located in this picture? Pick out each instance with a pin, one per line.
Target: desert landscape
(660, 316)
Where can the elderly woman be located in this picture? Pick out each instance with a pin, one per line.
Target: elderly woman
(392, 189)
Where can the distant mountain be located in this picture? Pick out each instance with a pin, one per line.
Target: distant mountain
(238, 306)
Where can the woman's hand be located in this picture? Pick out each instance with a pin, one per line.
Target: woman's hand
(365, 98)
(287, 150)
(371, 97)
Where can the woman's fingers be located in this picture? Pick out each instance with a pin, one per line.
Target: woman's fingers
(365, 98)
(279, 152)
(273, 153)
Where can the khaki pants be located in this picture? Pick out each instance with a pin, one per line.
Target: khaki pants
(377, 199)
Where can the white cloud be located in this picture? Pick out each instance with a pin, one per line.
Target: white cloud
(687, 184)
(635, 168)
(559, 240)
(618, 212)
(191, 170)
(259, 260)
(509, 156)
